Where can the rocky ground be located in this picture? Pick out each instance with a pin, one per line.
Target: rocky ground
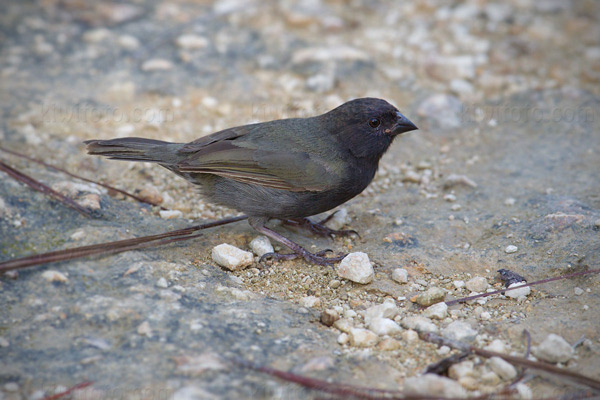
(501, 174)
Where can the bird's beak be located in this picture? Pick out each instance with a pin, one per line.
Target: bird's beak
(403, 125)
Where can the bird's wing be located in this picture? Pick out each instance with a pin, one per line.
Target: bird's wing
(258, 162)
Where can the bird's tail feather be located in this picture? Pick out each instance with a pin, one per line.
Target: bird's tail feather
(132, 149)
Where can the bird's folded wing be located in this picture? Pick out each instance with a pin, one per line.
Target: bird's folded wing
(288, 170)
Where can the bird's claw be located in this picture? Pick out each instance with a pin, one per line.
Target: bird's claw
(313, 258)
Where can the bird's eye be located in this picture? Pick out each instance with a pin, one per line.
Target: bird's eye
(374, 122)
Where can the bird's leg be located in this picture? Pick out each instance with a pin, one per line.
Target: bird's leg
(319, 228)
(298, 251)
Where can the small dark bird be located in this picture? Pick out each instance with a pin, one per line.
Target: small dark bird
(286, 169)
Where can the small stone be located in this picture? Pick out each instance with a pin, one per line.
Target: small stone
(502, 368)
(461, 370)
(329, 316)
(339, 220)
(128, 42)
(310, 301)
(144, 329)
(442, 351)
(434, 385)
(524, 391)
(261, 245)
(90, 201)
(436, 311)
(459, 284)
(489, 378)
(384, 326)
(460, 86)
(96, 35)
(519, 294)
(193, 392)
(389, 344)
(578, 291)
(356, 267)
(410, 336)
(162, 283)
(431, 296)
(197, 364)
(460, 331)
(170, 214)
(191, 42)
(554, 349)
(157, 64)
(343, 338)
(478, 284)
(335, 283)
(454, 180)
(343, 325)
(4, 342)
(362, 338)
(497, 345)
(511, 249)
(400, 275)
(231, 257)
(387, 309)
(419, 324)
(11, 387)
(450, 197)
(326, 54)
(54, 276)
(151, 195)
(510, 201)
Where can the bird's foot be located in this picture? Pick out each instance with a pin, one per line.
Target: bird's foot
(313, 258)
(319, 228)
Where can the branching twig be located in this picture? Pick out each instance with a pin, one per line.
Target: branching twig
(556, 278)
(52, 167)
(69, 391)
(112, 247)
(40, 187)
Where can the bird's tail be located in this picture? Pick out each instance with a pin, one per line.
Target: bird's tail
(135, 149)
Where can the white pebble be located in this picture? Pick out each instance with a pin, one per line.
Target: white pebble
(510, 201)
(310, 301)
(419, 324)
(460, 331)
(497, 345)
(144, 329)
(170, 214)
(518, 294)
(553, 349)
(578, 291)
(162, 283)
(339, 219)
(4, 342)
(459, 284)
(387, 309)
(54, 276)
(157, 64)
(231, 257)
(511, 249)
(191, 42)
(436, 311)
(410, 336)
(343, 338)
(450, 197)
(502, 368)
(362, 338)
(261, 245)
(384, 326)
(478, 284)
(400, 275)
(434, 385)
(461, 370)
(356, 267)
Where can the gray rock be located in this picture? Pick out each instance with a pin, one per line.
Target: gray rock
(400, 275)
(261, 245)
(502, 368)
(231, 257)
(460, 331)
(478, 284)
(553, 349)
(431, 296)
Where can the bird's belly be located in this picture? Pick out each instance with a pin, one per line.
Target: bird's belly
(260, 201)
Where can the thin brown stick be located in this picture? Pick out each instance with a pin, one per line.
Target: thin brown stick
(69, 390)
(52, 167)
(40, 187)
(118, 246)
(556, 278)
(524, 362)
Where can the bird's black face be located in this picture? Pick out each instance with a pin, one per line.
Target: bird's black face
(368, 126)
